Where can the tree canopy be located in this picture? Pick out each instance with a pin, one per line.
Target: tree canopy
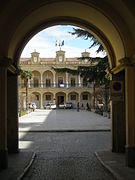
(95, 73)
(87, 35)
(25, 74)
(91, 73)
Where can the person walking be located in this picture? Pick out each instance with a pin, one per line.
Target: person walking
(78, 106)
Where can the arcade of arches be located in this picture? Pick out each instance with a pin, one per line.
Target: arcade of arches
(112, 22)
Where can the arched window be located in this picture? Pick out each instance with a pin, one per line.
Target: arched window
(72, 82)
(48, 82)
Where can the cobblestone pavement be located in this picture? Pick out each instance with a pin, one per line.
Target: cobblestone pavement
(66, 155)
(45, 120)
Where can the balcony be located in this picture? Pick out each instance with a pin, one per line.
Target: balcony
(57, 85)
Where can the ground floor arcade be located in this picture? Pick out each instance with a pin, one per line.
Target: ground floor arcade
(58, 97)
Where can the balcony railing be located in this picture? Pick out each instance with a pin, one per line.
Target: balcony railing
(57, 85)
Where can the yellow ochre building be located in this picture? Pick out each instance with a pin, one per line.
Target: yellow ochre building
(49, 85)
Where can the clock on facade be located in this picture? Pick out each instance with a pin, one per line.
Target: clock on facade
(35, 59)
(60, 59)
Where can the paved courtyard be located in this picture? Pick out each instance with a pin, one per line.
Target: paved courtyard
(47, 120)
(66, 155)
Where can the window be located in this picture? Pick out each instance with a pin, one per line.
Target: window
(48, 83)
(85, 96)
(60, 81)
(48, 97)
(37, 97)
(73, 97)
(72, 82)
(36, 82)
(84, 82)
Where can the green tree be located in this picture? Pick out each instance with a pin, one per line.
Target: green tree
(97, 73)
(26, 75)
(88, 36)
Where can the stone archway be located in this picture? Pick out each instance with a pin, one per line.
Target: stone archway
(48, 98)
(60, 98)
(111, 25)
(36, 98)
(74, 98)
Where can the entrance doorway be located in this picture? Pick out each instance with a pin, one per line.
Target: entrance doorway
(60, 100)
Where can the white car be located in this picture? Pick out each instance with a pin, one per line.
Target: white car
(53, 106)
(50, 106)
(62, 106)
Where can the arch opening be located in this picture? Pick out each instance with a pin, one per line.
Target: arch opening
(90, 19)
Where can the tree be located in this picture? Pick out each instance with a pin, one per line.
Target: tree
(97, 73)
(87, 35)
(26, 75)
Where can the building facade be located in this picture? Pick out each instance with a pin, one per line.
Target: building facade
(48, 84)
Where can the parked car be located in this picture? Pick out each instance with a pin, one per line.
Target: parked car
(50, 106)
(47, 106)
(68, 105)
(32, 105)
(62, 106)
(53, 106)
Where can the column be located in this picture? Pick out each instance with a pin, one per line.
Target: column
(79, 97)
(12, 113)
(118, 129)
(66, 97)
(130, 116)
(54, 79)
(4, 62)
(79, 80)
(54, 98)
(66, 79)
(41, 81)
(41, 101)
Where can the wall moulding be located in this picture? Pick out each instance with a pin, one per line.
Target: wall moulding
(8, 63)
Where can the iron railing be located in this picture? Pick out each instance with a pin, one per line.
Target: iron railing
(56, 85)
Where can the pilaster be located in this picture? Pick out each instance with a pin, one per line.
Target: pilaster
(41, 101)
(12, 113)
(130, 116)
(4, 63)
(118, 129)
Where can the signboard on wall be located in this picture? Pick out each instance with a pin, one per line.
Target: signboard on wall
(117, 90)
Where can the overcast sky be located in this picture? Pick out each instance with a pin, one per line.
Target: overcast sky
(44, 43)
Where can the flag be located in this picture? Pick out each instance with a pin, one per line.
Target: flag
(62, 44)
(56, 43)
(59, 43)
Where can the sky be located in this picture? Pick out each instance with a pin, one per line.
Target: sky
(44, 43)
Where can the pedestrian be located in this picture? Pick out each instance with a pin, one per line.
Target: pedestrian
(87, 107)
(78, 106)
